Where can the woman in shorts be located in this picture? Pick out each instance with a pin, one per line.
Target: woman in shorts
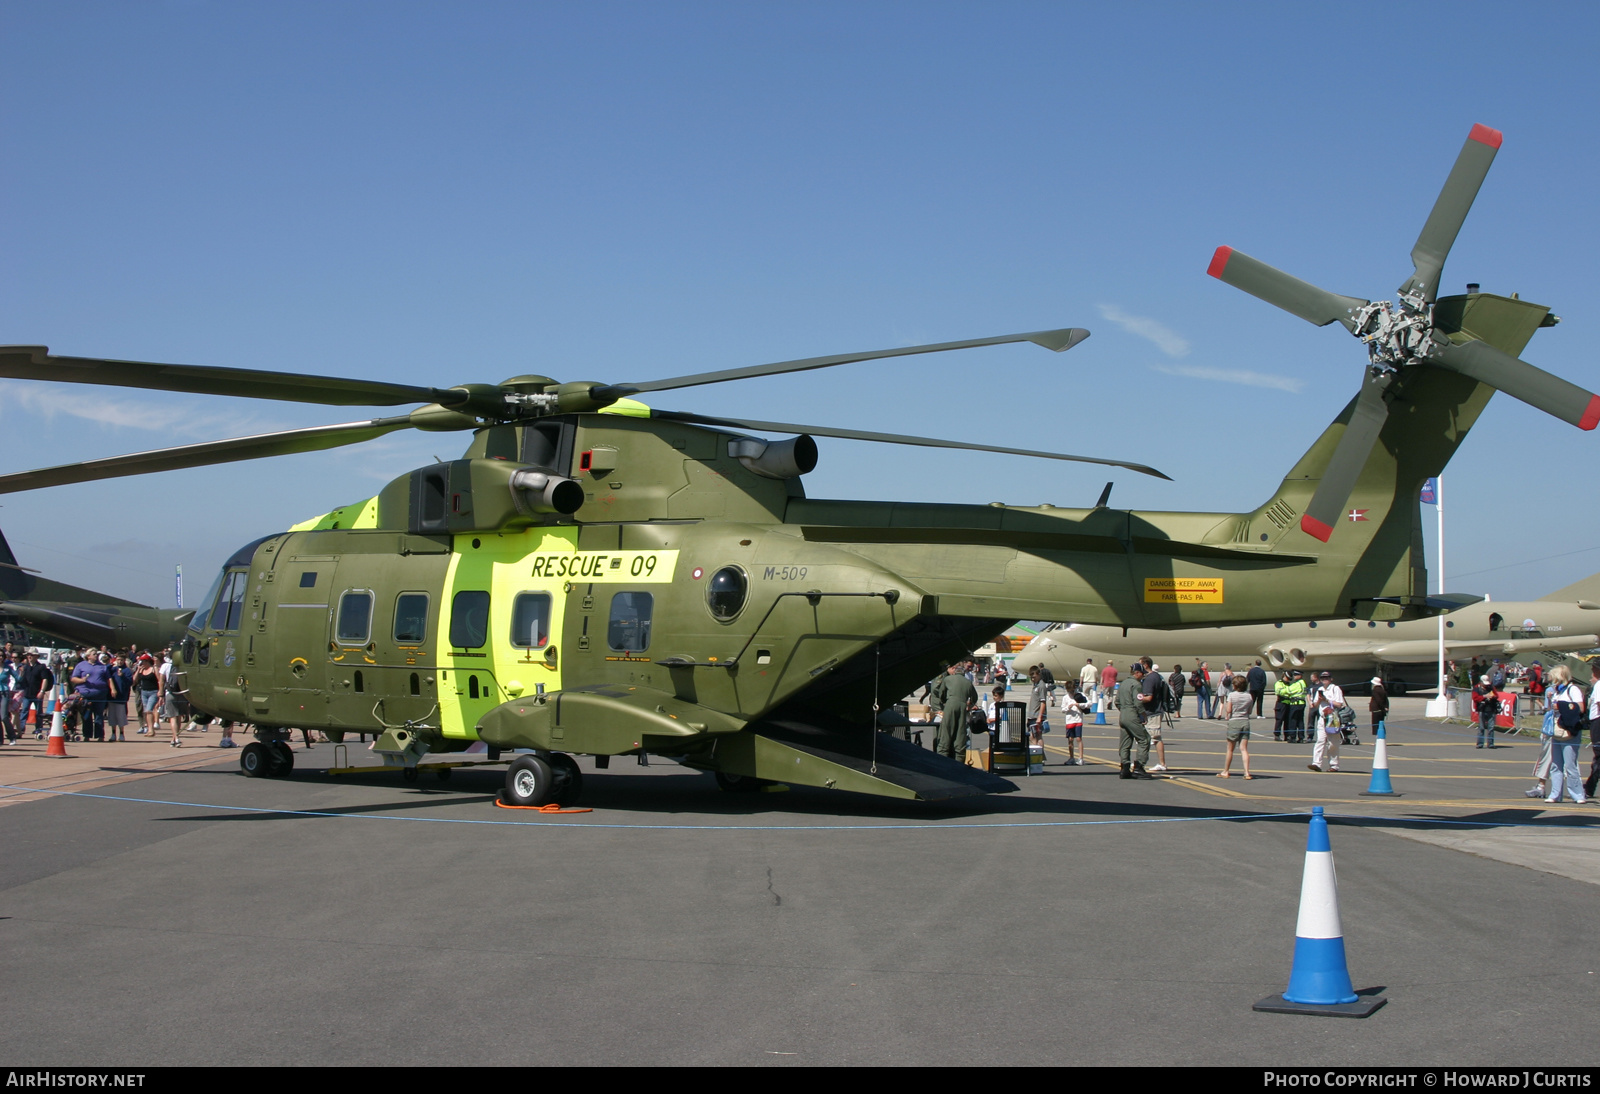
(1235, 708)
(147, 686)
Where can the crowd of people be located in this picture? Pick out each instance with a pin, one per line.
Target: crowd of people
(98, 692)
(1307, 709)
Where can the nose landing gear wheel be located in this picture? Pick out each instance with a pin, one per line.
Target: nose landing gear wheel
(569, 779)
(529, 781)
(253, 760)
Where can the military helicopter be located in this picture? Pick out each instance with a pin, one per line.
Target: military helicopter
(83, 616)
(598, 577)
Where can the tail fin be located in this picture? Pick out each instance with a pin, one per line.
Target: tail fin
(18, 584)
(1585, 589)
(1378, 537)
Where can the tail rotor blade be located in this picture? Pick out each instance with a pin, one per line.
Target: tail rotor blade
(1349, 457)
(1520, 380)
(1444, 222)
(201, 455)
(891, 438)
(1294, 296)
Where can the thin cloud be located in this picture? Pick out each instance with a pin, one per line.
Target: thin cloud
(122, 413)
(1165, 340)
(1234, 376)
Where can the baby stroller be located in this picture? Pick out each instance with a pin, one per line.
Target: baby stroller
(73, 709)
(1347, 725)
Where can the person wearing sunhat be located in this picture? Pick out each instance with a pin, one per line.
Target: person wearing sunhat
(1378, 705)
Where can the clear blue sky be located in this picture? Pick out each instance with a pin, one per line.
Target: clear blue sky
(446, 193)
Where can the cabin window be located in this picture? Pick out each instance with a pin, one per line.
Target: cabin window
(472, 687)
(629, 629)
(360, 681)
(230, 601)
(410, 619)
(469, 619)
(355, 618)
(308, 579)
(416, 685)
(530, 621)
(725, 595)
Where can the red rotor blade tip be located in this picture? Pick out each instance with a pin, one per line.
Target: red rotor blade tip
(1313, 527)
(1219, 261)
(1591, 416)
(1484, 135)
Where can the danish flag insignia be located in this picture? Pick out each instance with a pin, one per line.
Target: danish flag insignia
(1358, 514)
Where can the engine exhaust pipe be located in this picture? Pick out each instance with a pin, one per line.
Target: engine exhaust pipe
(776, 459)
(540, 492)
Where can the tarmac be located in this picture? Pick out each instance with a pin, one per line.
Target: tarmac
(158, 908)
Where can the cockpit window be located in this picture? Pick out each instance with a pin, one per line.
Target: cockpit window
(239, 560)
(228, 605)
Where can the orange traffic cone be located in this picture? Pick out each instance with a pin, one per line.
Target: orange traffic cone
(58, 738)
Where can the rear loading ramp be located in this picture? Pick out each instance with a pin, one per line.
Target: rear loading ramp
(842, 757)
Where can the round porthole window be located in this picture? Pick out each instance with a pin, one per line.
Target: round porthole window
(726, 592)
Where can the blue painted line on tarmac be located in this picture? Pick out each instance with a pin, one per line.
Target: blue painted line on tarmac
(1363, 817)
(656, 827)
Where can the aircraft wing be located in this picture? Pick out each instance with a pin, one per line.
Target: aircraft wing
(1427, 649)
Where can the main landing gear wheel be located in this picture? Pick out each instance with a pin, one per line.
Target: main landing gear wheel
(409, 774)
(529, 781)
(254, 760)
(444, 774)
(740, 784)
(569, 779)
(281, 759)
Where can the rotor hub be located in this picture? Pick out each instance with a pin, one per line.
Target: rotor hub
(1398, 334)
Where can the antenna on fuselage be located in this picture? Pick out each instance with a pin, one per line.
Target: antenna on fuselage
(1105, 496)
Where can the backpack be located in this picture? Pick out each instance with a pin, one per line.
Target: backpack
(1196, 681)
(1161, 696)
(1569, 714)
(977, 721)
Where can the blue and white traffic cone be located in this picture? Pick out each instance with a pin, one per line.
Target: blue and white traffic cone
(1380, 787)
(1100, 709)
(1319, 982)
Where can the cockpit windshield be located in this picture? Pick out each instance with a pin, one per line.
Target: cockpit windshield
(239, 558)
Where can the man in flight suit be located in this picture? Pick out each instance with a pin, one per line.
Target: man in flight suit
(1130, 717)
(955, 695)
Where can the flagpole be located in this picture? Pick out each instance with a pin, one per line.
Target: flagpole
(1438, 501)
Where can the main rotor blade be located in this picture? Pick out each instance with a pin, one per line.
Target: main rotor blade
(1349, 457)
(1057, 340)
(38, 363)
(200, 455)
(1520, 380)
(1444, 222)
(1288, 292)
(890, 438)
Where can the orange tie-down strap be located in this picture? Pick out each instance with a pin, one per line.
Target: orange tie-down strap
(550, 808)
